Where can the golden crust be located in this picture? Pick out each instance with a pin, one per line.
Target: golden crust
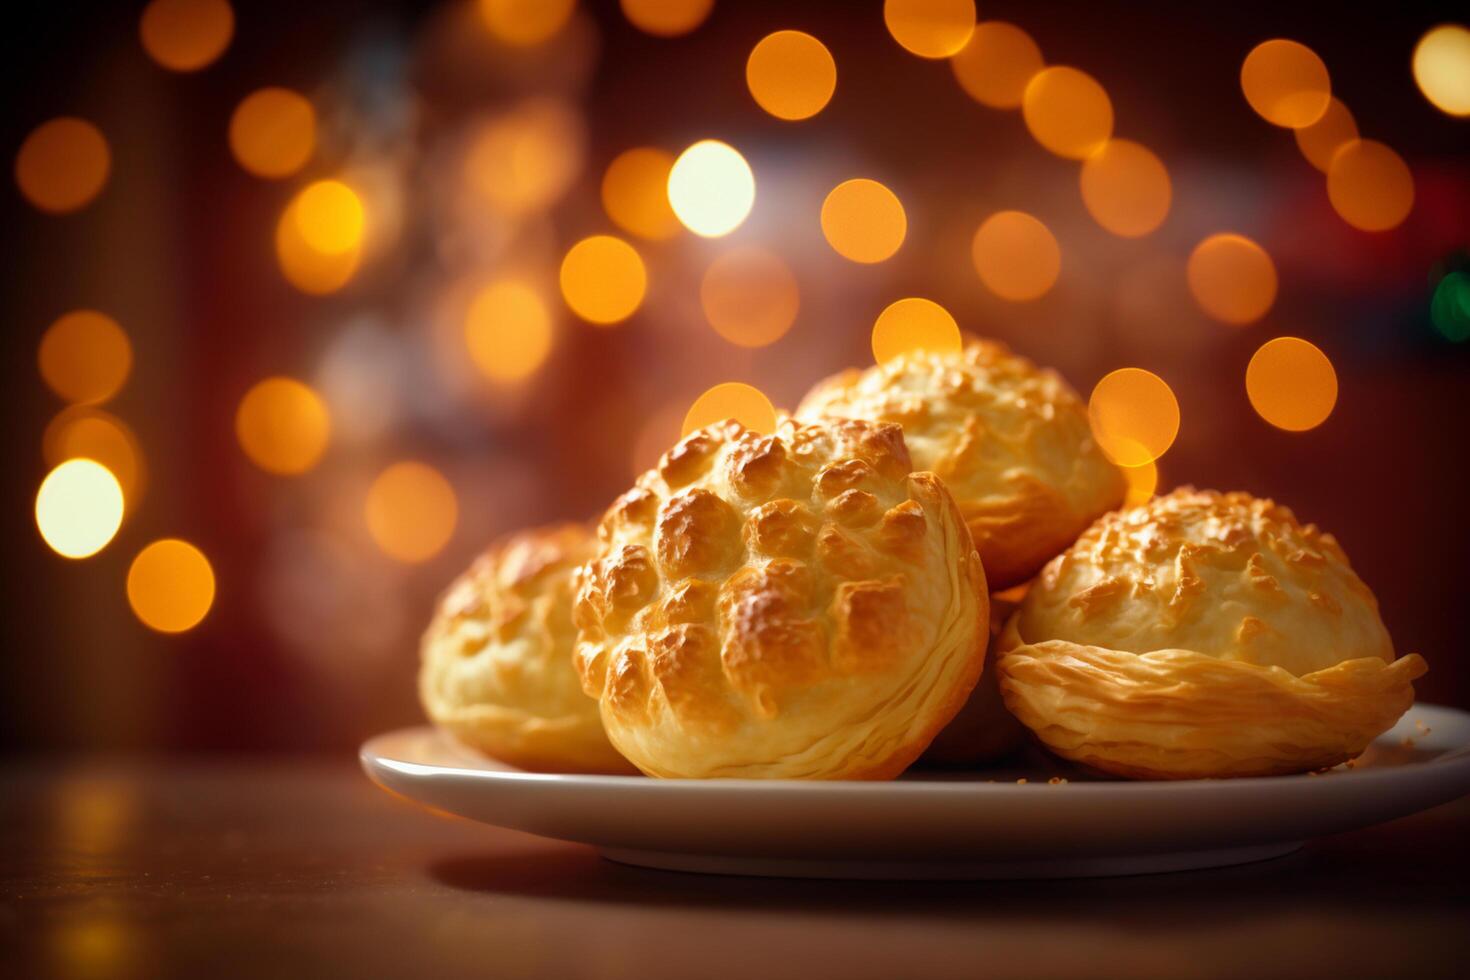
(1010, 440)
(497, 659)
(797, 605)
(1203, 634)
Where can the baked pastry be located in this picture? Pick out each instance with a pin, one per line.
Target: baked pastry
(1203, 634)
(1011, 441)
(797, 605)
(497, 659)
(983, 731)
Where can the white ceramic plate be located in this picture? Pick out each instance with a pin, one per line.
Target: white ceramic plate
(937, 825)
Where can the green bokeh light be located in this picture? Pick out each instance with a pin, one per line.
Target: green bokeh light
(1450, 307)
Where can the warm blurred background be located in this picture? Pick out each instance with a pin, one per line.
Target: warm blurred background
(336, 292)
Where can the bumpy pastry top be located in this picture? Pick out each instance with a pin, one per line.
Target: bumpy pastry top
(1228, 575)
(497, 659)
(1010, 440)
(791, 605)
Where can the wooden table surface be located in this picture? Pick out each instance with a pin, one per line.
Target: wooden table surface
(292, 868)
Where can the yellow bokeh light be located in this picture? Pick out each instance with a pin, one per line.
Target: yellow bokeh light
(1067, 112)
(914, 324)
(171, 586)
(186, 35)
(1442, 68)
(997, 64)
(89, 433)
(791, 75)
(1017, 256)
(1232, 278)
(330, 217)
(1143, 482)
(305, 267)
(411, 511)
(731, 400)
(863, 220)
(1126, 188)
(85, 357)
(1286, 83)
(525, 23)
(635, 193)
(711, 188)
(1320, 141)
(603, 279)
(666, 18)
(930, 28)
(1134, 416)
(750, 297)
(79, 508)
(508, 331)
(524, 161)
(1370, 186)
(283, 426)
(1291, 384)
(62, 164)
(273, 132)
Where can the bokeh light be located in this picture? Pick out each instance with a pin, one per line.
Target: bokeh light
(1017, 256)
(711, 188)
(81, 432)
(411, 511)
(85, 357)
(914, 324)
(731, 400)
(635, 193)
(666, 18)
(791, 75)
(283, 426)
(1370, 186)
(508, 331)
(997, 63)
(1291, 384)
(1232, 278)
(309, 269)
(603, 279)
(524, 161)
(273, 132)
(1126, 188)
(930, 28)
(171, 586)
(330, 217)
(863, 220)
(1143, 483)
(79, 508)
(62, 164)
(1134, 416)
(1286, 83)
(1320, 141)
(525, 23)
(1449, 308)
(186, 35)
(750, 296)
(1067, 112)
(1442, 68)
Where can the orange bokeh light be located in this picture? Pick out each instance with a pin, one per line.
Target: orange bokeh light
(997, 64)
(307, 267)
(186, 35)
(273, 132)
(1291, 384)
(1232, 278)
(750, 296)
(525, 23)
(930, 28)
(1067, 112)
(283, 426)
(635, 193)
(1126, 188)
(171, 586)
(1134, 416)
(1320, 141)
(603, 279)
(1442, 68)
(1369, 185)
(525, 160)
(1286, 83)
(744, 403)
(1016, 256)
(508, 331)
(80, 432)
(791, 75)
(411, 511)
(863, 220)
(62, 165)
(914, 324)
(85, 357)
(666, 18)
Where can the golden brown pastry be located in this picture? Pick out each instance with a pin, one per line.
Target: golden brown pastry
(497, 659)
(1203, 634)
(797, 605)
(1010, 440)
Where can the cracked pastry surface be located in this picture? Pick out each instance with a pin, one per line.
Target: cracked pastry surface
(497, 667)
(1009, 439)
(1203, 634)
(796, 605)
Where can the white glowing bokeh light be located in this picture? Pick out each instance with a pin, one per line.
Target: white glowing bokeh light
(711, 188)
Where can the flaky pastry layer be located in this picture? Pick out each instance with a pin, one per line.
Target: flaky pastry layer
(797, 605)
(1009, 439)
